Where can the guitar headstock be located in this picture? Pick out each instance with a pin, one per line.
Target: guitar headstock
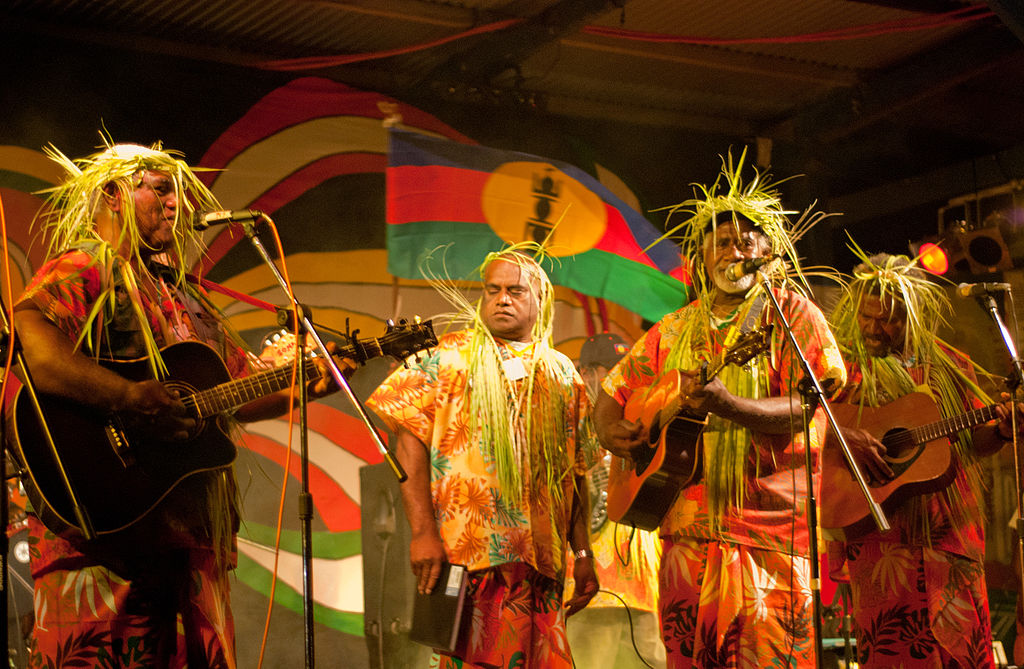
(748, 345)
(405, 338)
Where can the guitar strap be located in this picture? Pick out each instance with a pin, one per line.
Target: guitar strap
(748, 321)
(170, 276)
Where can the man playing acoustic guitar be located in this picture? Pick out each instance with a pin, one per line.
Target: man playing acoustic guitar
(156, 593)
(919, 597)
(734, 572)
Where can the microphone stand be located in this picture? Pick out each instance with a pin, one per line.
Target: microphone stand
(303, 328)
(812, 396)
(988, 302)
(5, 513)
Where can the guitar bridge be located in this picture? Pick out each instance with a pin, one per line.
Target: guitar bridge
(119, 442)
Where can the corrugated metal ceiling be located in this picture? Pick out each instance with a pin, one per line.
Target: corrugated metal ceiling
(937, 79)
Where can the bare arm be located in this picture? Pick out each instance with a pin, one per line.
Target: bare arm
(768, 415)
(616, 434)
(426, 549)
(584, 574)
(58, 369)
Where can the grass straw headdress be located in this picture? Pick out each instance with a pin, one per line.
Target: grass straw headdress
(726, 199)
(893, 278)
(115, 172)
(74, 206)
(502, 413)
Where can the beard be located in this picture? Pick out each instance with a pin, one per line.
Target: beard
(739, 286)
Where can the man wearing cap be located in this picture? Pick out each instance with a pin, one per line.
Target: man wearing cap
(734, 586)
(602, 635)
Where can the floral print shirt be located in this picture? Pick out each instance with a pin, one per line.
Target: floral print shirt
(480, 525)
(774, 482)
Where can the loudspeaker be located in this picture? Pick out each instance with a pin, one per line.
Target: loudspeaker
(986, 251)
(388, 584)
(19, 598)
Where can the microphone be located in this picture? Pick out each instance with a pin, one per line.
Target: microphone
(204, 219)
(738, 270)
(979, 289)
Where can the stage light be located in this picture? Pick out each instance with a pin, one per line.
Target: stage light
(933, 258)
(987, 226)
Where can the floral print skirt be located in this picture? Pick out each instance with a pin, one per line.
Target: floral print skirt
(729, 605)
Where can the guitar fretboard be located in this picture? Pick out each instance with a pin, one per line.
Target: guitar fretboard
(233, 394)
(947, 426)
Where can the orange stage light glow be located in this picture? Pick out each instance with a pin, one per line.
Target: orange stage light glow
(934, 258)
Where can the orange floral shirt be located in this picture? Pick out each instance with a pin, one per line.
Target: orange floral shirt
(775, 484)
(480, 525)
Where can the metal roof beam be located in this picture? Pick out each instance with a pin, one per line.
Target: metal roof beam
(480, 60)
(850, 110)
(1011, 13)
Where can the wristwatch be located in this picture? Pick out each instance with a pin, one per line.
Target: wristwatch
(584, 553)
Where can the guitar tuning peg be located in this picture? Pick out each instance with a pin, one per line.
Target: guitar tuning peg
(390, 323)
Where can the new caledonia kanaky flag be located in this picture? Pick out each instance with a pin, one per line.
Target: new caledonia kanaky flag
(477, 199)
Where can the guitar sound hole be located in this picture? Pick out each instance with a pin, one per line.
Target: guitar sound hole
(896, 442)
(642, 457)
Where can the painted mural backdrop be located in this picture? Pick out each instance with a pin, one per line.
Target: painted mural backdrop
(311, 154)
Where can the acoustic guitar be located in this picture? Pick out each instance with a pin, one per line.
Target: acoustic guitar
(918, 450)
(642, 489)
(117, 477)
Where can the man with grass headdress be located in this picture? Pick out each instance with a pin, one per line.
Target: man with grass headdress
(919, 597)
(489, 428)
(155, 594)
(734, 584)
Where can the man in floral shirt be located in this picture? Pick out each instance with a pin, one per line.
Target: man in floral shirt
(734, 586)
(919, 596)
(155, 593)
(489, 430)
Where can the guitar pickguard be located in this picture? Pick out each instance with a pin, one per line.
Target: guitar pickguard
(901, 453)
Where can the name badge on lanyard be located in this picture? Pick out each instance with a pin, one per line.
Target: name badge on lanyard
(514, 368)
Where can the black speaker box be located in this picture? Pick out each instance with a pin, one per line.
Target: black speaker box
(388, 584)
(19, 598)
